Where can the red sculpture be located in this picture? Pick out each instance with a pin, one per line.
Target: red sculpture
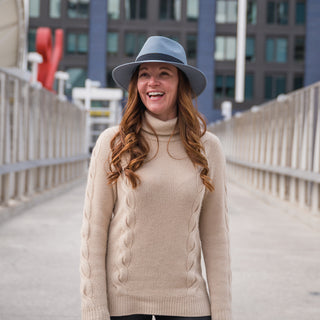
(51, 57)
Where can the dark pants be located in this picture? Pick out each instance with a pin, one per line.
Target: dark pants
(149, 317)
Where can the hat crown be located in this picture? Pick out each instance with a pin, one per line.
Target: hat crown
(162, 46)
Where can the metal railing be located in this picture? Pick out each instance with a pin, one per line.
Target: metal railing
(276, 147)
(42, 139)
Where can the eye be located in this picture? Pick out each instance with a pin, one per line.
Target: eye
(143, 75)
(165, 73)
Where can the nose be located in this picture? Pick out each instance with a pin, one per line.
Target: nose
(153, 81)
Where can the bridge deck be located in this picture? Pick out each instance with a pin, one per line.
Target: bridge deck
(275, 261)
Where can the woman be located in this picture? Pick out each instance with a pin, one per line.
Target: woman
(156, 195)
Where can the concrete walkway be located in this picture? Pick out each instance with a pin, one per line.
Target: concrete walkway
(275, 261)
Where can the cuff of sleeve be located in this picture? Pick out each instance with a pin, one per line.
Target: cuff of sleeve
(99, 313)
(221, 314)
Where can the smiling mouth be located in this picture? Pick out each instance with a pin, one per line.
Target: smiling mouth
(155, 94)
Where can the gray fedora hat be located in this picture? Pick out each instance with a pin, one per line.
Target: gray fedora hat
(161, 49)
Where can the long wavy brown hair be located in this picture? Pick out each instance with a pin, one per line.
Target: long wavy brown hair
(129, 148)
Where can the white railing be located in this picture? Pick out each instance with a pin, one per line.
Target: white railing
(276, 147)
(42, 140)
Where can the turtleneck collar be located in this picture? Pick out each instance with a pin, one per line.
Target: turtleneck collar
(162, 128)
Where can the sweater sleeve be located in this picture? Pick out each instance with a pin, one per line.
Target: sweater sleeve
(214, 233)
(98, 207)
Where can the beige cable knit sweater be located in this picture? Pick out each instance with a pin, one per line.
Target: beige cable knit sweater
(141, 248)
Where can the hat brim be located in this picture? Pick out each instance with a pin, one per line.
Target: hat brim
(123, 73)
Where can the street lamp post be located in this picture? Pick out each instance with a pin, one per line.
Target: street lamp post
(241, 50)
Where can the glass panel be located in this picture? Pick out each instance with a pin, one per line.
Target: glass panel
(230, 86)
(55, 9)
(300, 12)
(71, 43)
(280, 85)
(250, 49)
(192, 10)
(282, 13)
(252, 12)
(177, 10)
(268, 87)
(298, 82)
(129, 44)
(191, 46)
(270, 50)
(113, 9)
(271, 12)
(77, 77)
(78, 8)
(219, 52)
(163, 9)
(232, 11)
(83, 43)
(248, 87)
(32, 40)
(230, 52)
(130, 7)
(110, 81)
(143, 9)
(299, 49)
(281, 53)
(219, 86)
(141, 39)
(34, 8)
(221, 12)
(112, 43)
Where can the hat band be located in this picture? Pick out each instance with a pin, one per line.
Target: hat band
(158, 56)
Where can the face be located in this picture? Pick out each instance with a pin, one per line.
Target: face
(158, 87)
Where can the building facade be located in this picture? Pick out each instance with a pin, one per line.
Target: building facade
(281, 46)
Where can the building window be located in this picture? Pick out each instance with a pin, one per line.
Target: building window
(276, 50)
(110, 81)
(34, 8)
(277, 12)
(55, 9)
(113, 9)
(300, 12)
(78, 8)
(112, 43)
(299, 48)
(191, 46)
(133, 43)
(224, 86)
(32, 34)
(298, 81)
(170, 10)
(248, 89)
(77, 43)
(192, 10)
(225, 48)
(226, 11)
(252, 12)
(77, 78)
(136, 9)
(274, 85)
(250, 49)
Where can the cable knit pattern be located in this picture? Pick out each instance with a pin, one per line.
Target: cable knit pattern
(193, 247)
(126, 240)
(141, 248)
(85, 267)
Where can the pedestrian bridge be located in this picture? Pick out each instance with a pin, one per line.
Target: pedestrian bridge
(273, 168)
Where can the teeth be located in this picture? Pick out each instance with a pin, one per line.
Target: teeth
(155, 94)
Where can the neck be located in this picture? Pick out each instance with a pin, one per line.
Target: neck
(161, 128)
